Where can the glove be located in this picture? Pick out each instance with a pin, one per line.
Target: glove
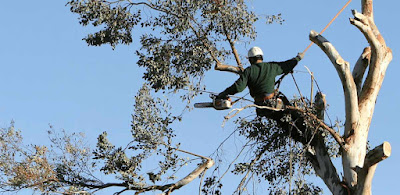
(300, 56)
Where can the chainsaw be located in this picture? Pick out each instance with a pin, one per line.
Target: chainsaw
(218, 104)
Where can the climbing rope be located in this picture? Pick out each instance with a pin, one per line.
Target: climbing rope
(330, 22)
(308, 47)
(298, 89)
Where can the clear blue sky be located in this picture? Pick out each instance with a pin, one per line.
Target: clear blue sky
(50, 76)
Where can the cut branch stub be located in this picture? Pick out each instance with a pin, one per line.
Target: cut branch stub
(378, 154)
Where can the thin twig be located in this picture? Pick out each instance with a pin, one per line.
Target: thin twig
(233, 162)
(238, 189)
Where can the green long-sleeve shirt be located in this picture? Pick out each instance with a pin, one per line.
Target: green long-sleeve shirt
(260, 77)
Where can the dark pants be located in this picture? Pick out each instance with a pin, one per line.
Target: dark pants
(265, 112)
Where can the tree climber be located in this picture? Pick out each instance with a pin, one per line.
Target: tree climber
(260, 78)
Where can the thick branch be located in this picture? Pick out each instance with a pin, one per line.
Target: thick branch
(228, 68)
(367, 26)
(349, 87)
(234, 51)
(208, 163)
(320, 105)
(324, 167)
(169, 187)
(360, 67)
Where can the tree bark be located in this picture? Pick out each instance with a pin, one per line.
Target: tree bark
(194, 174)
(228, 68)
(324, 167)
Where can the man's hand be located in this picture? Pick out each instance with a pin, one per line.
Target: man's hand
(300, 55)
(221, 96)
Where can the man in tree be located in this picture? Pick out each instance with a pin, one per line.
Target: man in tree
(260, 77)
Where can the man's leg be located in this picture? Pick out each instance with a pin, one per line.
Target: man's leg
(265, 112)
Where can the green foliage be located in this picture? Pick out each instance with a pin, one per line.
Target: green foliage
(149, 126)
(187, 35)
(277, 159)
(275, 18)
(117, 21)
(42, 168)
(151, 135)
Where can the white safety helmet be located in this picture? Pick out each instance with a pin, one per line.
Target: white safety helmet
(255, 51)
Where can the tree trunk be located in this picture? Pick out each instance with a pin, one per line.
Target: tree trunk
(358, 166)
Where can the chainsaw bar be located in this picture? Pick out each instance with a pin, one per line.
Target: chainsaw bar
(204, 105)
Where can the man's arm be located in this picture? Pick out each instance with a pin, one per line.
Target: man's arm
(236, 87)
(288, 65)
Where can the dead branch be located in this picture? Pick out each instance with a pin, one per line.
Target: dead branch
(168, 187)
